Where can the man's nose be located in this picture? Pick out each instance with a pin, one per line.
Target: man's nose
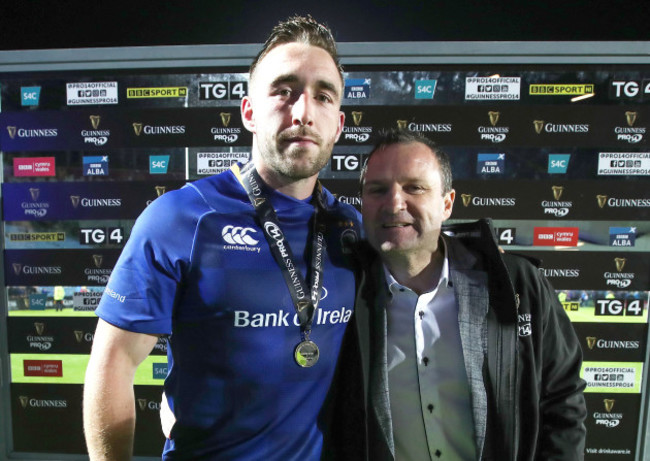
(301, 111)
(395, 201)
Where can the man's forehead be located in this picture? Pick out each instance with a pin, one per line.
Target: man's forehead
(398, 162)
(292, 55)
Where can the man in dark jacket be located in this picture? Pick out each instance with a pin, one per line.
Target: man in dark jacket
(466, 353)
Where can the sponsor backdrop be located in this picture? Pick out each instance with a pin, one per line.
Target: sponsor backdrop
(559, 159)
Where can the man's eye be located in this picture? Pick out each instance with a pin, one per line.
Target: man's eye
(415, 189)
(324, 98)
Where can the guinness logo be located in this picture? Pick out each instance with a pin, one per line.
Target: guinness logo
(302, 305)
(494, 117)
(225, 118)
(34, 192)
(539, 125)
(142, 403)
(12, 131)
(78, 335)
(591, 341)
(137, 127)
(557, 191)
(630, 116)
(467, 198)
(98, 260)
(75, 200)
(602, 200)
(401, 124)
(609, 404)
(160, 190)
(620, 263)
(24, 400)
(356, 117)
(94, 121)
(17, 267)
(259, 201)
(40, 327)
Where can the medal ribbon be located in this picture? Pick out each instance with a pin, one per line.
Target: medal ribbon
(305, 300)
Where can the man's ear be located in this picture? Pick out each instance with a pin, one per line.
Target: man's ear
(247, 117)
(341, 124)
(448, 203)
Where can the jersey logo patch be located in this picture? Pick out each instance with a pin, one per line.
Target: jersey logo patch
(236, 235)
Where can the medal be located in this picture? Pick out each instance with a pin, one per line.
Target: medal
(306, 353)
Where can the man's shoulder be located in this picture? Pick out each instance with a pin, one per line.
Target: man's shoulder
(335, 206)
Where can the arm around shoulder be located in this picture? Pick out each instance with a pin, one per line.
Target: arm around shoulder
(109, 404)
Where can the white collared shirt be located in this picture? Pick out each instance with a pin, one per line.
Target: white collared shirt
(429, 391)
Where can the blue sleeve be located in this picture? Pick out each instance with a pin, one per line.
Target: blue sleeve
(142, 288)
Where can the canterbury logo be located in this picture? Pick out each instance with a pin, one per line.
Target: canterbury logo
(239, 235)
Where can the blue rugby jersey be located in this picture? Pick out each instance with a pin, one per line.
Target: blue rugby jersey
(197, 267)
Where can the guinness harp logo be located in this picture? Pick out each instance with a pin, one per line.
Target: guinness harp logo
(356, 117)
(94, 121)
(225, 118)
(302, 305)
(75, 199)
(259, 201)
(401, 124)
(602, 200)
(24, 400)
(78, 335)
(17, 267)
(467, 198)
(630, 116)
(160, 190)
(40, 328)
(539, 125)
(620, 263)
(12, 131)
(557, 191)
(142, 403)
(494, 117)
(137, 128)
(591, 341)
(34, 192)
(98, 260)
(609, 404)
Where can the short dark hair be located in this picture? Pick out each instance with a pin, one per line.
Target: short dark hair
(299, 29)
(393, 136)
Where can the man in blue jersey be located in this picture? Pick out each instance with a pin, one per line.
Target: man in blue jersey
(246, 272)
